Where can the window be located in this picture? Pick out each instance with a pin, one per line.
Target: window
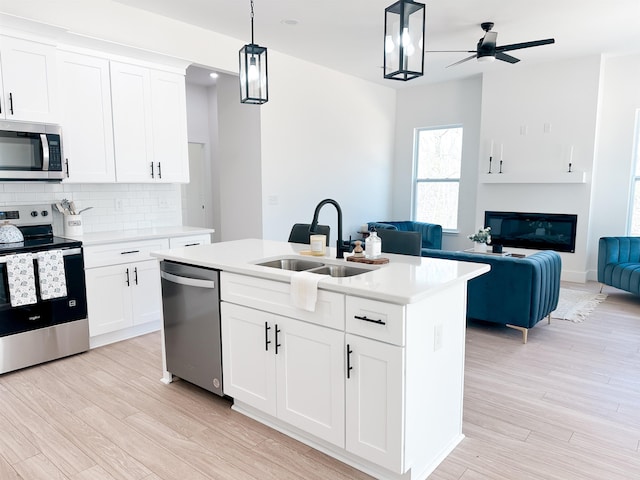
(437, 161)
(634, 216)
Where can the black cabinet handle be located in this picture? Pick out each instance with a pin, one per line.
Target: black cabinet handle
(191, 244)
(349, 367)
(266, 336)
(379, 322)
(277, 344)
(66, 164)
(135, 275)
(129, 251)
(152, 175)
(159, 170)
(128, 283)
(11, 103)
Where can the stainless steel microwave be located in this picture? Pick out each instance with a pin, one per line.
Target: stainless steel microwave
(30, 151)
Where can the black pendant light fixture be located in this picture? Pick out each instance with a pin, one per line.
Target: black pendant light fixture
(254, 88)
(404, 24)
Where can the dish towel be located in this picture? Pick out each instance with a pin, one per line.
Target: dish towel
(304, 290)
(53, 283)
(22, 281)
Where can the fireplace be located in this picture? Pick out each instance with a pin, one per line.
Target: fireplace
(538, 231)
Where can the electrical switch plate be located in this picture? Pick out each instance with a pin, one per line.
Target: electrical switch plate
(547, 128)
(437, 337)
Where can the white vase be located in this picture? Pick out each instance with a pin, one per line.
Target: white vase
(479, 247)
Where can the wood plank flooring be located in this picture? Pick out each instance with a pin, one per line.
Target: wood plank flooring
(564, 406)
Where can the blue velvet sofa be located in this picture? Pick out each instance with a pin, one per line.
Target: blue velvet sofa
(431, 233)
(516, 292)
(619, 263)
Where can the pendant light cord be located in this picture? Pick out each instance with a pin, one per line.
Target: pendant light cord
(252, 21)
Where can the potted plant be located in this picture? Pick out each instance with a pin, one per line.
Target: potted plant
(481, 238)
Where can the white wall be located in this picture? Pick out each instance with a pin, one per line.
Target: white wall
(324, 135)
(451, 103)
(517, 103)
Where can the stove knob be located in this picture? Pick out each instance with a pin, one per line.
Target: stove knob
(34, 213)
(44, 213)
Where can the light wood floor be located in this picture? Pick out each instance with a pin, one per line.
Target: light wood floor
(564, 406)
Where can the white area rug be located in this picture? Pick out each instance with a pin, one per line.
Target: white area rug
(576, 305)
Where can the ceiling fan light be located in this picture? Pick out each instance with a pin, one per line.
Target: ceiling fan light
(405, 22)
(487, 58)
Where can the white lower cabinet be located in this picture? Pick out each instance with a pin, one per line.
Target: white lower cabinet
(375, 401)
(286, 368)
(121, 296)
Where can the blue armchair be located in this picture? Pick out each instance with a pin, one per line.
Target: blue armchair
(431, 233)
(619, 263)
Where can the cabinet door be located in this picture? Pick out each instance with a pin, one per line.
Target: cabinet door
(86, 117)
(29, 80)
(146, 291)
(310, 371)
(375, 401)
(108, 299)
(132, 123)
(170, 144)
(248, 360)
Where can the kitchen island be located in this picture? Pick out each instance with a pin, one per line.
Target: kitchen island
(373, 375)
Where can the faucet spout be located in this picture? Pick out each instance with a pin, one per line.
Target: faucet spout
(341, 246)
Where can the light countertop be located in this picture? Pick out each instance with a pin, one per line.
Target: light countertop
(114, 236)
(405, 279)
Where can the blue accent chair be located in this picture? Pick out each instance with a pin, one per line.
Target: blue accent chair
(516, 292)
(619, 263)
(431, 233)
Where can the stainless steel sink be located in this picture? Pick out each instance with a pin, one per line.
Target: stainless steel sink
(293, 264)
(339, 270)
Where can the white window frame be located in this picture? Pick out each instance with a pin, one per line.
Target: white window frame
(414, 175)
(635, 177)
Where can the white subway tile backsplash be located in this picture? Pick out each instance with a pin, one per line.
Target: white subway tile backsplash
(115, 206)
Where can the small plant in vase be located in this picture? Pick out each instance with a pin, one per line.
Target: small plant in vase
(481, 238)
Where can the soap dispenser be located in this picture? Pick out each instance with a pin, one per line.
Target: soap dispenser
(373, 245)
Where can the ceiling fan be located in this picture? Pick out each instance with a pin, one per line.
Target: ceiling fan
(488, 51)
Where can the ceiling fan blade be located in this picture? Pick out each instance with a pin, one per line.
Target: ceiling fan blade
(518, 46)
(506, 58)
(489, 40)
(462, 61)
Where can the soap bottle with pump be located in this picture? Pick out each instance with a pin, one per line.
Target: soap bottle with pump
(373, 245)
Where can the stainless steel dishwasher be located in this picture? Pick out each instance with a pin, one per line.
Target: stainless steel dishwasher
(191, 305)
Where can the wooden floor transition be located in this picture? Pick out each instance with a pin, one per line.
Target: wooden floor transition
(564, 406)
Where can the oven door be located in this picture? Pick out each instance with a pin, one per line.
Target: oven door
(46, 313)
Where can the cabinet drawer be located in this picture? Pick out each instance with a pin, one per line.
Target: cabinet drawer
(378, 320)
(202, 239)
(275, 297)
(125, 252)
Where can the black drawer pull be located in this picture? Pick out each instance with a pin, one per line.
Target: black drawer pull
(379, 322)
(130, 251)
(191, 244)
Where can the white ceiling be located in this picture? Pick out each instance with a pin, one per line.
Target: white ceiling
(347, 35)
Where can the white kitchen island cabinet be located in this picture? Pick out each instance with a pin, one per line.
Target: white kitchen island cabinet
(383, 367)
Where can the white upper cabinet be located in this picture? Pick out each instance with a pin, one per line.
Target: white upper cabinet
(29, 83)
(170, 144)
(132, 123)
(87, 128)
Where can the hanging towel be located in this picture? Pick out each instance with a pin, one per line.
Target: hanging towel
(304, 290)
(53, 283)
(21, 277)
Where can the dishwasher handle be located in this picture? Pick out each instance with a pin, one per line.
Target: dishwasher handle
(191, 282)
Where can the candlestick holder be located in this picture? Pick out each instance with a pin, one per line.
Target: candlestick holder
(490, 160)
(500, 167)
(569, 171)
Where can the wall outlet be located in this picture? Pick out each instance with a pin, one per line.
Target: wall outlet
(437, 337)
(118, 204)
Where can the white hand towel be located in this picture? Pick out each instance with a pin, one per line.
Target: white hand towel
(22, 281)
(53, 283)
(304, 290)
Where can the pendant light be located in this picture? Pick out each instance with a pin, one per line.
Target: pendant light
(404, 24)
(254, 88)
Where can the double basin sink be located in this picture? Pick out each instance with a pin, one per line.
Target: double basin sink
(321, 268)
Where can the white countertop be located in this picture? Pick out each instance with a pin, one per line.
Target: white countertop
(405, 279)
(114, 236)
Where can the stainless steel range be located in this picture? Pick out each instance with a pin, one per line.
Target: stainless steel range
(43, 303)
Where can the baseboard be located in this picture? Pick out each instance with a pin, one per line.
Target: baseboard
(573, 276)
(124, 334)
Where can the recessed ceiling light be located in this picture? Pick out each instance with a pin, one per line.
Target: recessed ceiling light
(213, 75)
(289, 21)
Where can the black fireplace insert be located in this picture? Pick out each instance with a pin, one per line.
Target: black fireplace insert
(538, 231)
